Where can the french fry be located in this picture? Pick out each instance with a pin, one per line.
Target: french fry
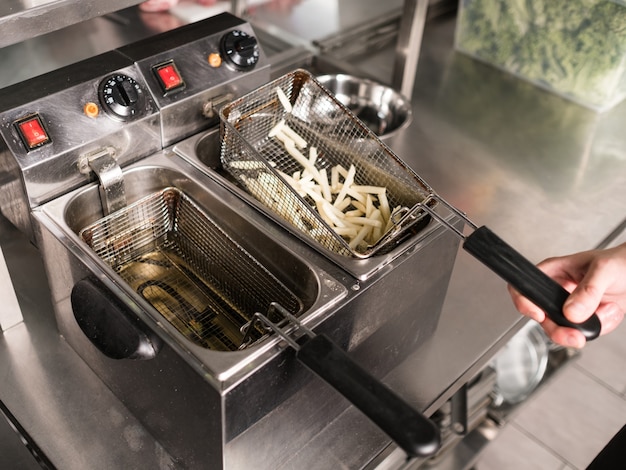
(347, 202)
(289, 132)
(359, 205)
(359, 213)
(342, 172)
(346, 185)
(284, 101)
(276, 129)
(369, 205)
(334, 179)
(360, 236)
(384, 205)
(356, 195)
(371, 221)
(349, 232)
(369, 189)
(354, 213)
(325, 186)
(247, 165)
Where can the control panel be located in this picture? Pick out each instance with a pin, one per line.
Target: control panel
(192, 71)
(135, 101)
(65, 115)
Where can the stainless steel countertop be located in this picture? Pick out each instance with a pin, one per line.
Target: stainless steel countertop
(545, 174)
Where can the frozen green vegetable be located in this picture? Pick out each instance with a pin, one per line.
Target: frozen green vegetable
(577, 47)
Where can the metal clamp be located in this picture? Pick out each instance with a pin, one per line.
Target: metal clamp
(281, 322)
(429, 204)
(109, 173)
(211, 108)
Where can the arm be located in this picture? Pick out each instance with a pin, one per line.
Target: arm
(597, 282)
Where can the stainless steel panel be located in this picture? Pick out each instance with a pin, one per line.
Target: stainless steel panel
(25, 19)
(11, 314)
(409, 45)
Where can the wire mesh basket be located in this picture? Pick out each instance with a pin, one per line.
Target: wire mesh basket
(293, 128)
(193, 273)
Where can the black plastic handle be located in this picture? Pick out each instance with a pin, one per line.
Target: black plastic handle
(109, 323)
(524, 276)
(412, 431)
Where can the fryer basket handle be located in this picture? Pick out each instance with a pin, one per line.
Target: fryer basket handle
(412, 431)
(524, 276)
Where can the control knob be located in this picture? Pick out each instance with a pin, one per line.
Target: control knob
(240, 49)
(122, 97)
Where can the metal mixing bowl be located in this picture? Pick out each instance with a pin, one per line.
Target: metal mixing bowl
(383, 109)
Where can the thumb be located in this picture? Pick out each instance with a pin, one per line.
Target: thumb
(585, 298)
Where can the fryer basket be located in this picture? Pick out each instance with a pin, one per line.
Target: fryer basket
(259, 162)
(191, 271)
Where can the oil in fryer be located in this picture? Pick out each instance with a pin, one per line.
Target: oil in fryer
(199, 279)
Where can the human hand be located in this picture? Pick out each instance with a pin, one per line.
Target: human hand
(597, 282)
(281, 6)
(153, 6)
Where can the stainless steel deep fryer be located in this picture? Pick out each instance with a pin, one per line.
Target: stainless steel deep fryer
(258, 161)
(140, 310)
(178, 259)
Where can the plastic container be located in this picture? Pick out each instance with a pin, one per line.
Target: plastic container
(574, 48)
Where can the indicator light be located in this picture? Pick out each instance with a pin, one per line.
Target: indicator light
(91, 109)
(214, 59)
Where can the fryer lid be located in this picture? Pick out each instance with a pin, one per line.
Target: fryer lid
(341, 139)
(177, 258)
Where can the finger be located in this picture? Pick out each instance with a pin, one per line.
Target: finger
(585, 299)
(565, 271)
(152, 6)
(611, 315)
(568, 337)
(525, 306)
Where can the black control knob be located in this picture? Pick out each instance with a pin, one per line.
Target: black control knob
(122, 97)
(240, 49)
